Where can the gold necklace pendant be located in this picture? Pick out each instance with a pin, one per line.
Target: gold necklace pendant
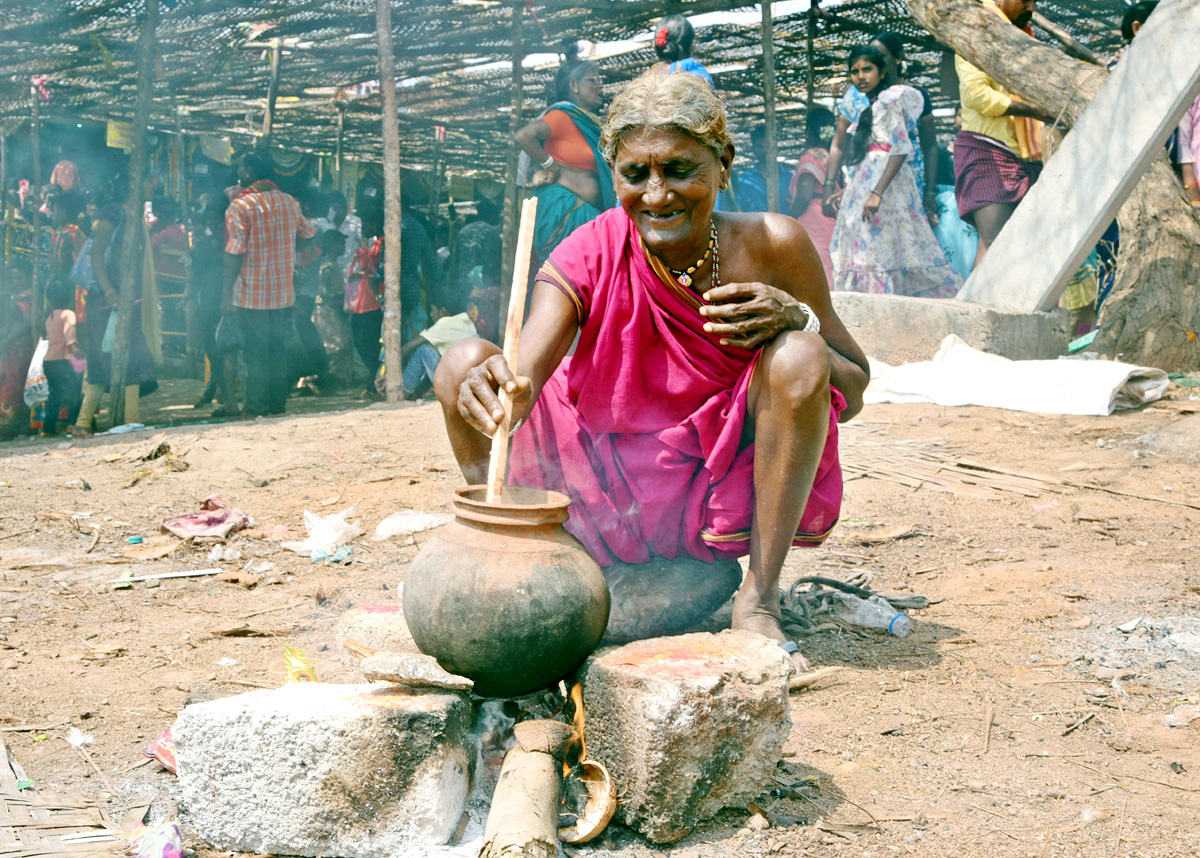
(685, 277)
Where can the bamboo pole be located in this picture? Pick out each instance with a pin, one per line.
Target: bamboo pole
(391, 207)
(134, 231)
(511, 191)
(37, 301)
(272, 94)
(768, 50)
(3, 214)
(810, 94)
(338, 154)
(498, 462)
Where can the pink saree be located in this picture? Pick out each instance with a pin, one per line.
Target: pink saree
(642, 426)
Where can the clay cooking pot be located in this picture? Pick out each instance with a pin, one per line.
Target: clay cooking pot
(504, 595)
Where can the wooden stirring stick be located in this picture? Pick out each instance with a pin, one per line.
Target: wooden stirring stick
(498, 464)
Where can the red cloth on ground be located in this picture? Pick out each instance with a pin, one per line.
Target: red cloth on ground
(642, 426)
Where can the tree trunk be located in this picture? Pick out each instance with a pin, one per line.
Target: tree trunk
(1153, 312)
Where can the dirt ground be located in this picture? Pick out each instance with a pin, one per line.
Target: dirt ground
(1016, 720)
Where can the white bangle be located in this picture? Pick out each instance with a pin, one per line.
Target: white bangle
(545, 165)
(813, 325)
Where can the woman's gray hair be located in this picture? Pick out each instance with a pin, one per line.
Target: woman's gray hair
(658, 98)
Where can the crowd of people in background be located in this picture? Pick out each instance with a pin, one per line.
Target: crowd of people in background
(284, 295)
(285, 289)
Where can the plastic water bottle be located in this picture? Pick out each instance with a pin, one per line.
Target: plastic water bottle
(873, 613)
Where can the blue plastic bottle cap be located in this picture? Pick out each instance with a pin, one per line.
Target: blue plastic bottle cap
(900, 625)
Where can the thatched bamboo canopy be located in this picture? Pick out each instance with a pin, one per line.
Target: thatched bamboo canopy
(453, 59)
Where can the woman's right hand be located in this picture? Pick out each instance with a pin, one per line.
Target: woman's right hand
(549, 176)
(831, 202)
(479, 400)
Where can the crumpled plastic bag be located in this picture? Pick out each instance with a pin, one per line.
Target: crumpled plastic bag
(213, 519)
(407, 522)
(163, 841)
(327, 532)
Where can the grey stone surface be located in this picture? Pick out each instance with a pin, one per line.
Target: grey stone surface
(412, 669)
(896, 329)
(666, 597)
(686, 725)
(359, 771)
(379, 626)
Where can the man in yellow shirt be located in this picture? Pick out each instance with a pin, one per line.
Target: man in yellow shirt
(997, 156)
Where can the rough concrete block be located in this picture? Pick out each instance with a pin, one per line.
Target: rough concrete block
(379, 627)
(359, 771)
(896, 329)
(686, 725)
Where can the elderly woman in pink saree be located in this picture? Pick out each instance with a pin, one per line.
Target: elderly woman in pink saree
(697, 416)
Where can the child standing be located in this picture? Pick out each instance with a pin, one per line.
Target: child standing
(65, 382)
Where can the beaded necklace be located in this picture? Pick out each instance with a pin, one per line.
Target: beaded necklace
(685, 277)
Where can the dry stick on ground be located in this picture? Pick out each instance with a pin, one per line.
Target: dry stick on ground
(1120, 826)
(987, 727)
(1079, 723)
(812, 677)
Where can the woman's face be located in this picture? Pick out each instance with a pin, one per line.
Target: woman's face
(668, 182)
(586, 91)
(865, 75)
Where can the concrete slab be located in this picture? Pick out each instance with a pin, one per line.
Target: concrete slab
(359, 771)
(1074, 201)
(897, 330)
(379, 626)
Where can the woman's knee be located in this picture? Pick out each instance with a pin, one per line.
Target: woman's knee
(796, 367)
(459, 359)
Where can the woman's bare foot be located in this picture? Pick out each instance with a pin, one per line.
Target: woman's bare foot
(750, 613)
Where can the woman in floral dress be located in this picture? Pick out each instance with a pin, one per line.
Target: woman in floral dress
(882, 242)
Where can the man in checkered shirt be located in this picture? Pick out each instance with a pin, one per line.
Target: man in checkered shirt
(262, 224)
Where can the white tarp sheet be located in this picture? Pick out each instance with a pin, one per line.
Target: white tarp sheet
(961, 375)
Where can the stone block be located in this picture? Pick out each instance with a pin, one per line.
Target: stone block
(666, 597)
(358, 771)
(380, 627)
(687, 725)
(896, 329)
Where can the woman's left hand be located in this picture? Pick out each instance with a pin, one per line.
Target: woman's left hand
(750, 314)
(871, 206)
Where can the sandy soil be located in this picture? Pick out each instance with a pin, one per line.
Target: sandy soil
(997, 728)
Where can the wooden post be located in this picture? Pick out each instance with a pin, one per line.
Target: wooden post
(337, 154)
(37, 302)
(768, 49)
(511, 191)
(391, 204)
(434, 184)
(3, 214)
(272, 94)
(133, 233)
(810, 50)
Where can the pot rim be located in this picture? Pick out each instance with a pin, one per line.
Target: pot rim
(522, 505)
